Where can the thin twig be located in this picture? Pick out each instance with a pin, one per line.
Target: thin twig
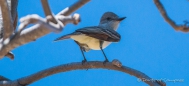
(67, 11)
(183, 28)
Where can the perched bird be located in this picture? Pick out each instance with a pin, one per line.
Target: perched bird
(97, 37)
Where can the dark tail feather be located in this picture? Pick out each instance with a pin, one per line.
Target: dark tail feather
(62, 38)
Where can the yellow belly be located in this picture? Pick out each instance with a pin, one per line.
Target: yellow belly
(92, 43)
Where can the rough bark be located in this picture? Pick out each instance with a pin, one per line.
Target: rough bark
(114, 65)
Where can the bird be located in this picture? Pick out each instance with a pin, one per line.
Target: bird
(97, 37)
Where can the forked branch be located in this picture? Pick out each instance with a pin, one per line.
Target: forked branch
(42, 27)
(183, 28)
(47, 11)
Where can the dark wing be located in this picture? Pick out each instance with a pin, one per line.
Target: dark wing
(100, 33)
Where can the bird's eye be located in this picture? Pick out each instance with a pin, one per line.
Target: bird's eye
(108, 18)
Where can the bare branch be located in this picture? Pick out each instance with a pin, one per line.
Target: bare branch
(13, 8)
(2, 78)
(183, 28)
(88, 65)
(75, 19)
(47, 11)
(12, 5)
(7, 19)
(67, 11)
(36, 31)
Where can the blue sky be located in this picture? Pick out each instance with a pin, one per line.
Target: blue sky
(148, 44)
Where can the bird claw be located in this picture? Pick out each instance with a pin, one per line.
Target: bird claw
(105, 62)
(84, 61)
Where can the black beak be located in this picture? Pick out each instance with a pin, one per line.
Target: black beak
(120, 19)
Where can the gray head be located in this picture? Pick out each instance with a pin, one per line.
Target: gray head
(111, 19)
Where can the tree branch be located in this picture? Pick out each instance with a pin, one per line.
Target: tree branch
(47, 11)
(2, 78)
(88, 65)
(12, 5)
(183, 28)
(7, 19)
(67, 11)
(36, 31)
(14, 13)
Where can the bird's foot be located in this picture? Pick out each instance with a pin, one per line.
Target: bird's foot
(105, 62)
(84, 61)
